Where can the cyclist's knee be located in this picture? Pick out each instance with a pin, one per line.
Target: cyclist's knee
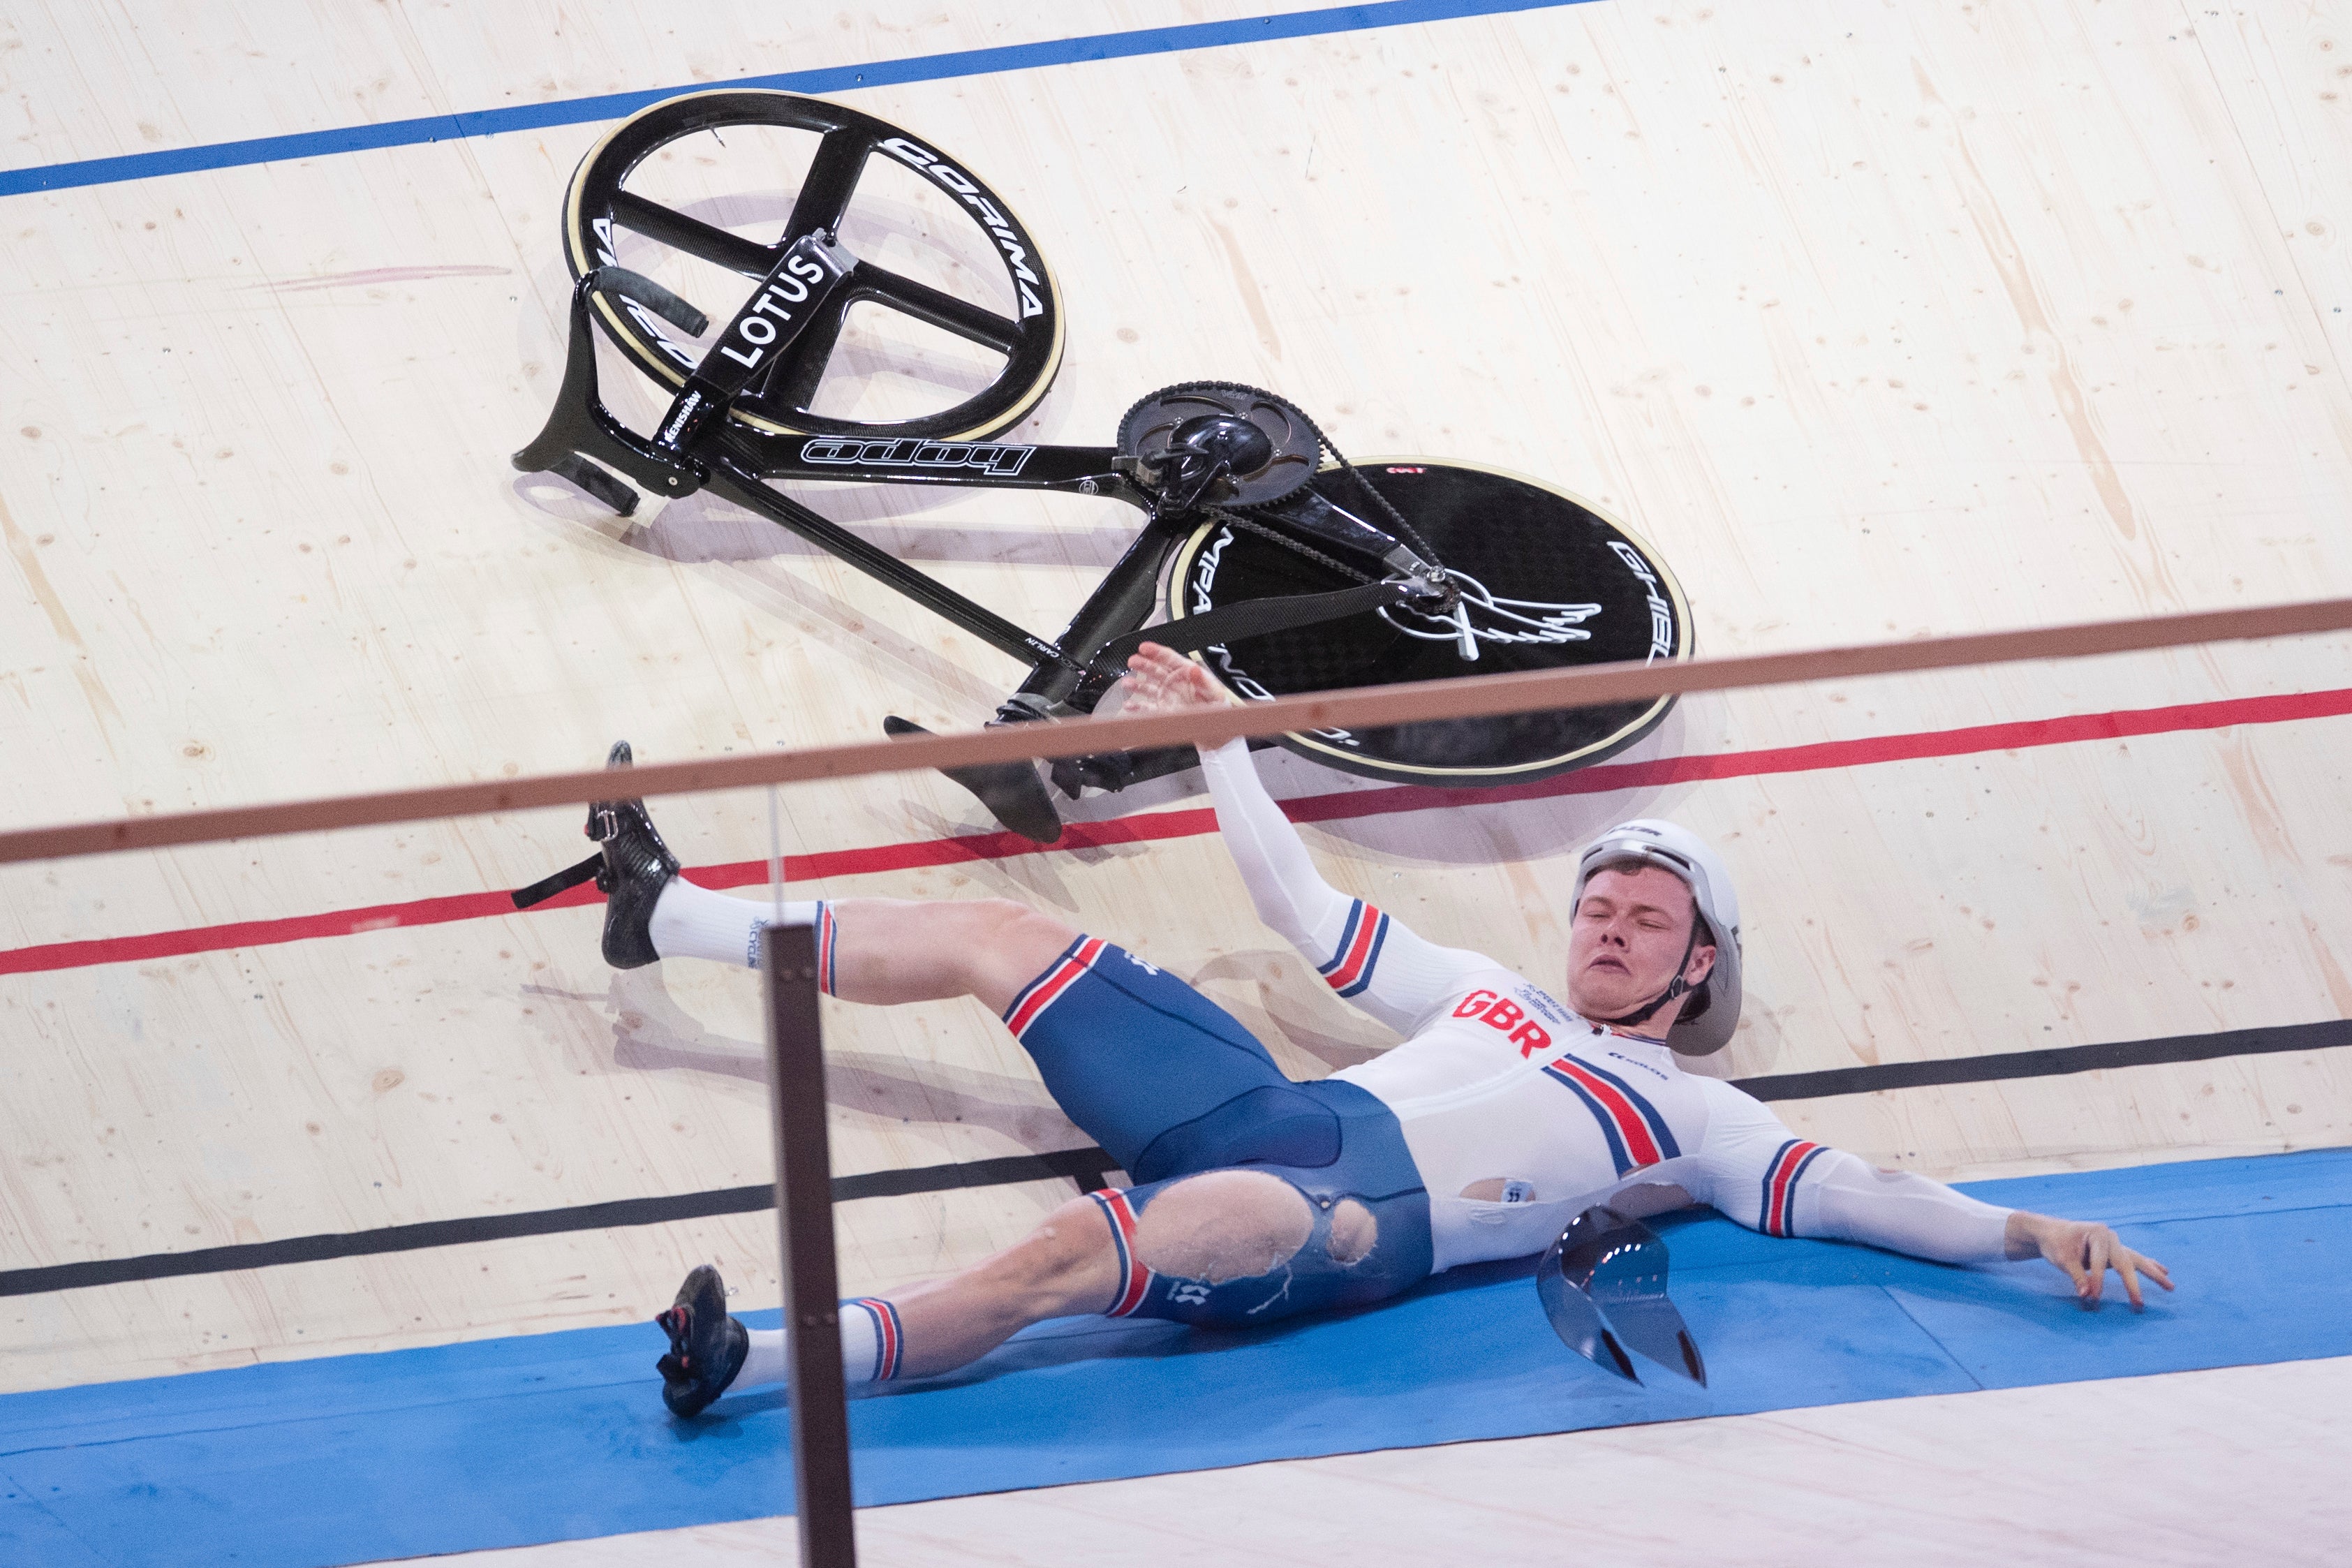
(1004, 945)
(1354, 1233)
(1224, 1225)
(1065, 1259)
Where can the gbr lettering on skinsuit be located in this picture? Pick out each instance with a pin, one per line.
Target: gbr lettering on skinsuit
(1506, 1016)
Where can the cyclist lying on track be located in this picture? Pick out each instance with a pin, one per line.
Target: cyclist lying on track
(1501, 1116)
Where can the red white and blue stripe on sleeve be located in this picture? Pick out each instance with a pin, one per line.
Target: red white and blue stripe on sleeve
(1134, 1278)
(1779, 1215)
(1350, 969)
(825, 937)
(1637, 1134)
(890, 1339)
(1059, 976)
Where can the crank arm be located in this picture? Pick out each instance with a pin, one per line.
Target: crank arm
(1319, 521)
(1115, 771)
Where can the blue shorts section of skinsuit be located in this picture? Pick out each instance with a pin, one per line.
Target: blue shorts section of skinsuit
(1172, 1085)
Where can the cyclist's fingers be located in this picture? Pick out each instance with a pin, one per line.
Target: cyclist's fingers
(2097, 1256)
(1147, 668)
(2144, 1266)
(1161, 674)
(2129, 1276)
(1152, 658)
(2070, 1258)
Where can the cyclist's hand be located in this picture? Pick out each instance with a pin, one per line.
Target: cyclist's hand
(1161, 681)
(2084, 1250)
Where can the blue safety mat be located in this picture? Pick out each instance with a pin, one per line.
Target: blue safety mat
(563, 1435)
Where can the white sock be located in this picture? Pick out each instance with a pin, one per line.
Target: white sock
(764, 1362)
(863, 1362)
(695, 922)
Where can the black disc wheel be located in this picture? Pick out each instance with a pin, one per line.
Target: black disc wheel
(1549, 582)
(950, 327)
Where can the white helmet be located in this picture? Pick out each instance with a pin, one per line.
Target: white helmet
(1706, 1026)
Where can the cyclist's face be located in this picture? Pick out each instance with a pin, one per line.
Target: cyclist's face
(1630, 931)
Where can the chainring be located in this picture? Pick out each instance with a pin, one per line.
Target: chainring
(1149, 430)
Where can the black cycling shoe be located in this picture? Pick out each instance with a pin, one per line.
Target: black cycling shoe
(638, 867)
(707, 1347)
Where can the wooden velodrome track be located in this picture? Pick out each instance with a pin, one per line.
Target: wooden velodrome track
(1877, 322)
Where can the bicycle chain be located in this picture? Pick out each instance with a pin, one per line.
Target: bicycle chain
(1248, 524)
(1410, 535)
(1235, 519)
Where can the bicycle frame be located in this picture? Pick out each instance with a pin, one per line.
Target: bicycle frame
(1058, 671)
(1118, 603)
(701, 448)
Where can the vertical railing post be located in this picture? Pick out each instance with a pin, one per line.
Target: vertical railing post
(805, 1218)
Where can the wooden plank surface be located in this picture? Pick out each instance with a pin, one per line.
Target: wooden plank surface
(2219, 1463)
(1877, 322)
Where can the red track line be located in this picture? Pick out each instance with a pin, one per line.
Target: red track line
(1165, 825)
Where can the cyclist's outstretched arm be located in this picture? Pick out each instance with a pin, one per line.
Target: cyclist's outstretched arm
(1757, 1171)
(1365, 954)
(1766, 1178)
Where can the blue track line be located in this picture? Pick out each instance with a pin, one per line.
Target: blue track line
(833, 79)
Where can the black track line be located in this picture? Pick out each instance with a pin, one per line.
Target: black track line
(1088, 1166)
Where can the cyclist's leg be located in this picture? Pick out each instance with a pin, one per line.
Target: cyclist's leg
(1333, 1214)
(1230, 1247)
(1162, 1078)
(1155, 1073)
(1236, 1247)
(880, 950)
(1081, 1261)
(887, 951)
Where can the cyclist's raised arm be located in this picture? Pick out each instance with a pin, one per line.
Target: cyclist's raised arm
(1365, 955)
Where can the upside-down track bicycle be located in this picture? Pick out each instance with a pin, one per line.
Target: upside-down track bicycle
(1286, 567)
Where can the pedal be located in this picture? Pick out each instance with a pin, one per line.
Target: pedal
(1013, 792)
